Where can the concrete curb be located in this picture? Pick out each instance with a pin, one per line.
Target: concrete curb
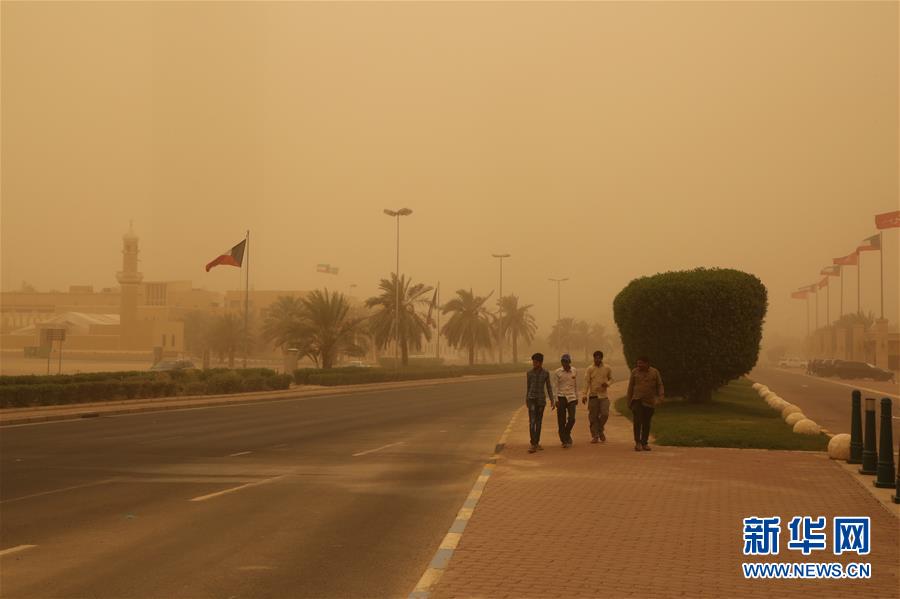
(34, 415)
(451, 540)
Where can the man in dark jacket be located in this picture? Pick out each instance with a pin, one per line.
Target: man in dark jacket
(537, 383)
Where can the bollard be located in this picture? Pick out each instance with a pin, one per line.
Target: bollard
(869, 455)
(897, 493)
(856, 442)
(884, 476)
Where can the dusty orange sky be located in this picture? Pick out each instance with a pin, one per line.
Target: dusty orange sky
(595, 141)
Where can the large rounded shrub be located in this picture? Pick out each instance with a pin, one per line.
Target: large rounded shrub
(701, 328)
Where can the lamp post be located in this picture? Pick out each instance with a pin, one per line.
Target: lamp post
(500, 304)
(397, 214)
(558, 295)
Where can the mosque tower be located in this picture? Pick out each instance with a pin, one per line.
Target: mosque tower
(129, 281)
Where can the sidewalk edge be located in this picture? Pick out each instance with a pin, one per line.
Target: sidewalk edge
(448, 545)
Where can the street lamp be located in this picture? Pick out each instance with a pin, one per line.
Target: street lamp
(500, 304)
(558, 284)
(397, 214)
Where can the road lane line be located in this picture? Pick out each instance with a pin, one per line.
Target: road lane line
(361, 453)
(16, 549)
(51, 492)
(877, 392)
(234, 489)
(234, 455)
(448, 545)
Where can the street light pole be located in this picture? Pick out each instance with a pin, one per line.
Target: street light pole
(397, 214)
(558, 297)
(500, 305)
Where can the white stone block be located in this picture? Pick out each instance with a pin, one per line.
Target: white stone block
(807, 427)
(794, 417)
(789, 409)
(839, 447)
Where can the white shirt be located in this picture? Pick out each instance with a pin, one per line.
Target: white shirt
(565, 383)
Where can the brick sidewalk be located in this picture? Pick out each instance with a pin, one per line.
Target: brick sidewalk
(667, 523)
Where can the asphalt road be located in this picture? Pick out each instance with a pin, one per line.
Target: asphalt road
(342, 496)
(827, 400)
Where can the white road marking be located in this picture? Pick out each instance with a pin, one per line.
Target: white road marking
(233, 489)
(16, 549)
(356, 455)
(234, 455)
(72, 488)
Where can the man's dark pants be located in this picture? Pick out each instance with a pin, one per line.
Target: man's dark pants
(535, 418)
(565, 418)
(641, 416)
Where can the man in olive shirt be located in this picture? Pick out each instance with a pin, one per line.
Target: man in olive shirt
(645, 392)
(597, 380)
(537, 382)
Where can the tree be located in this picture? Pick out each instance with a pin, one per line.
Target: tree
(412, 325)
(197, 332)
(327, 328)
(562, 335)
(469, 325)
(226, 336)
(283, 322)
(518, 322)
(701, 328)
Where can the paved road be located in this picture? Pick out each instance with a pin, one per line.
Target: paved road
(827, 400)
(317, 497)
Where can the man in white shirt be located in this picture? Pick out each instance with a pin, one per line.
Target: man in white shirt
(566, 399)
(597, 380)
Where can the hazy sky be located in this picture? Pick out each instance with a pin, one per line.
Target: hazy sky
(596, 141)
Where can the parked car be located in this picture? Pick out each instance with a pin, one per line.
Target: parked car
(846, 369)
(792, 363)
(166, 365)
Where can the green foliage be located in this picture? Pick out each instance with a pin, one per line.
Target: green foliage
(736, 417)
(358, 376)
(469, 325)
(701, 328)
(413, 325)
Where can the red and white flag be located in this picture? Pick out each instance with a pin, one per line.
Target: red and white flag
(870, 244)
(888, 220)
(799, 295)
(848, 260)
(234, 257)
(831, 271)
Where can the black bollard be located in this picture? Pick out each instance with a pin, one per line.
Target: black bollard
(884, 476)
(897, 494)
(869, 454)
(856, 441)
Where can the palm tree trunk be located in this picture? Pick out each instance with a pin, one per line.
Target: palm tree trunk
(404, 353)
(472, 354)
(515, 340)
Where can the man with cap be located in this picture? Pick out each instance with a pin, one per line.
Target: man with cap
(566, 399)
(537, 382)
(597, 380)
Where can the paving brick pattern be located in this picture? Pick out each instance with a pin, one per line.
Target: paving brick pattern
(605, 521)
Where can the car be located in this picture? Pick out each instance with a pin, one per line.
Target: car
(792, 363)
(357, 364)
(847, 369)
(168, 365)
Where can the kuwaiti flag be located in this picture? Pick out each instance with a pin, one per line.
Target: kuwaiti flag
(848, 260)
(431, 307)
(831, 271)
(799, 294)
(234, 257)
(327, 269)
(888, 220)
(870, 244)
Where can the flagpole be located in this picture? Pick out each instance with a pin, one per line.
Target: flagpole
(858, 278)
(841, 275)
(438, 333)
(881, 257)
(247, 301)
(807, 316)
(827, 302)
(817, 309)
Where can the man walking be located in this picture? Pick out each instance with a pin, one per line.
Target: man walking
(566, 399)
(645, 392)
(597, 380)
(537, 381)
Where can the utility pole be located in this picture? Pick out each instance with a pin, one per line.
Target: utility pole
(500, 306)
(397, 214)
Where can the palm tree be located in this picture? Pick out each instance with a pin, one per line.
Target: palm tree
(562, 336)
(470, 325)
(226, 336)
(327, 328)
(581, 337)
(412, 326)
(517, 322)
(282, 322)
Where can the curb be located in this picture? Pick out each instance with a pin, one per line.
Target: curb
(448, 545)
(98, 409)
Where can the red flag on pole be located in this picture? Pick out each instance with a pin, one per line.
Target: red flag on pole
(848, 260)
(831, 271)
(870, 244)
(888, 220)
(798, 295)
(234, 257)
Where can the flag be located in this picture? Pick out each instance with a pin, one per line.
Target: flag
(327, 269)
(870, 244)
(432, 306)
(831, 271)
(234, 257)
(888, 220)
(823, 283)
(808, 288)
(798, 295)
(848, 260)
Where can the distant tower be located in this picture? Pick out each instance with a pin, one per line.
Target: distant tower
(129, 280)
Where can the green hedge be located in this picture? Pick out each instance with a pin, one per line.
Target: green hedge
(358, 376)
(71, 389)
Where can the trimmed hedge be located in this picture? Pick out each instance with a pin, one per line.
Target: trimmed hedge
(77, 388)
(701, 328)
(358, 376)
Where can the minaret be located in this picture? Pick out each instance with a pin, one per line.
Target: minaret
(129, 280)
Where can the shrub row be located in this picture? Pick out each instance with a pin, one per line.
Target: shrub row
(148, 375)
(358, 376)
(213, 383)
